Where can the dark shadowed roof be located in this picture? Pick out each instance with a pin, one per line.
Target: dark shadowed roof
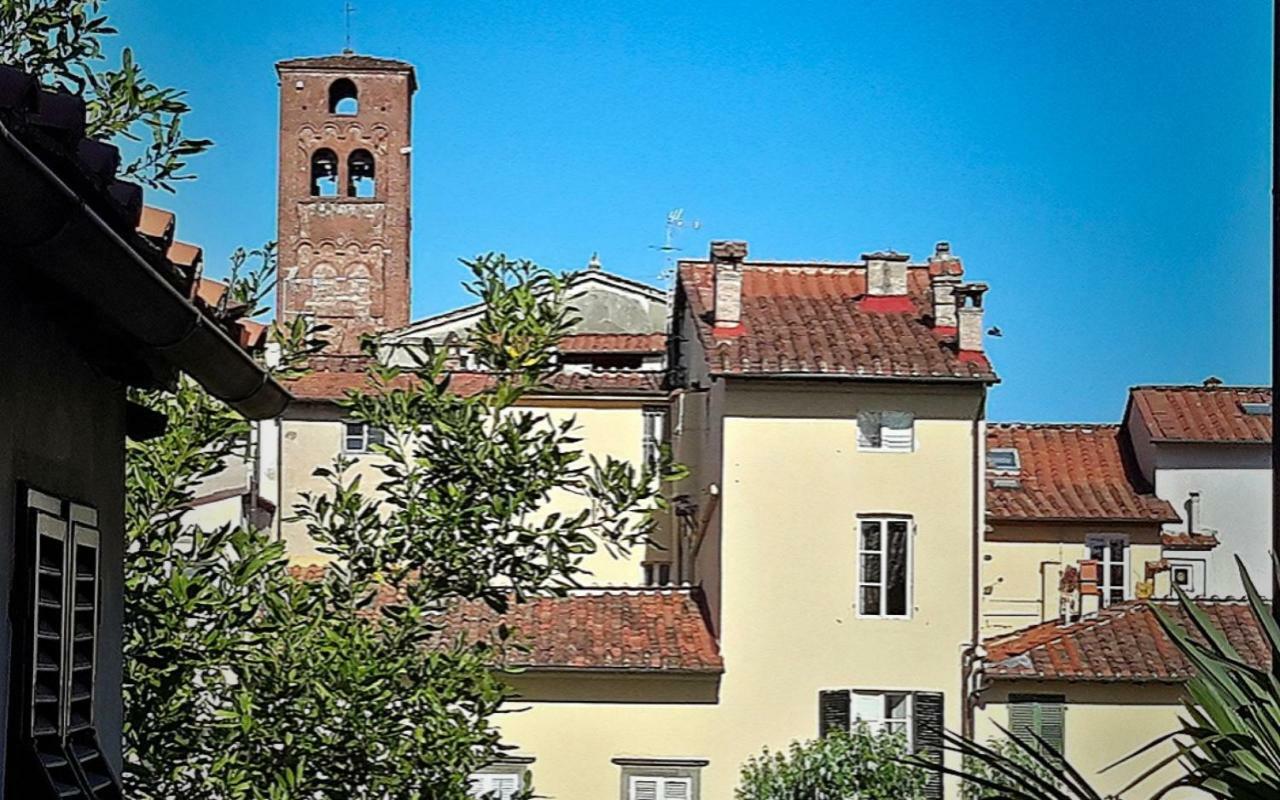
(1123, 642)
(810, 319)
(1202, 413)
(1069, 472)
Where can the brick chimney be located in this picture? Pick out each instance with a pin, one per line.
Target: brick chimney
(726, 259)
(886, 274)
(944, 277)
(969, 316)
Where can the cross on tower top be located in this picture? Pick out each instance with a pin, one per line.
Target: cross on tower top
(348, 10)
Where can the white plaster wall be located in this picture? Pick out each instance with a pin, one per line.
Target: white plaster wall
(1234, 482)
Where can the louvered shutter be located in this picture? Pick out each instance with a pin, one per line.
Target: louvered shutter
(869, 430)
(897, 431)
(59, 591)
(644, 789)
(677, 789)
(927, 725)
(833, 711)
(1053, 723)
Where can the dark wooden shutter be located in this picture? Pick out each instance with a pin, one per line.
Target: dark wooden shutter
(927, 723)
(52, 739)
(833, 711)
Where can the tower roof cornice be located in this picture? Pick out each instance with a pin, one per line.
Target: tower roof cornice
(348, 62)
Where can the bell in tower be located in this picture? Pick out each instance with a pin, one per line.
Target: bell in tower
(343, 212)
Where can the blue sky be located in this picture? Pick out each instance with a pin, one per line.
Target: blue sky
(1104, 166)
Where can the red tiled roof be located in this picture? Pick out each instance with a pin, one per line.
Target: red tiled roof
(1070, 472)
(1202, 413)
(333, 379)
(614, 343)
(634, 630)
(810, 319)
(1123, 642)
(1172, 540)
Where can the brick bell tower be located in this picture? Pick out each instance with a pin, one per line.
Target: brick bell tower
(343, 213)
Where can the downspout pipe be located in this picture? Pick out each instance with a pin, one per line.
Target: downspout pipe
(90, 261)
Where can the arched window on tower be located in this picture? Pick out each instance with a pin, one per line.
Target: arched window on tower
(344, 99)
(324, 173)
(360, 174)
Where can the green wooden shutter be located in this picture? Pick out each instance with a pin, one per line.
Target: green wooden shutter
(927, 710)
(833, 711)
(1043, 715)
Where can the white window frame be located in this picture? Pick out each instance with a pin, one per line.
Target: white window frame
(654, 435)
(882, 583)
(882, 721)
(365, 439)
(1017, 461)
(887, 439)
(513, 774)
(1199, 574)
(1105, 584)
(662, 782)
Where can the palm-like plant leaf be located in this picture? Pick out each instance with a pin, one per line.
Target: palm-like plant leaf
(1230, 737)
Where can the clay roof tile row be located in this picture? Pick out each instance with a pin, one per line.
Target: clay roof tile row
(1123, 642)
(812, 319)
(1069, 472)
(1202, 413)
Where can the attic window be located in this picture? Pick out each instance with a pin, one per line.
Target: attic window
(1003, 459)
(1256, 409)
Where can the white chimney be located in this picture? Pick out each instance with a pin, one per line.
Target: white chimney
(726, 259)
(1193, 512)
(886, 274)
(969, 316)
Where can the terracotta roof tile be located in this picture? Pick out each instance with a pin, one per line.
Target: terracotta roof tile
(811, 319)
(638, 630)
(1173, 540)
(1069, 472)
(1123, 642)
(1202, 413)
(614, 343)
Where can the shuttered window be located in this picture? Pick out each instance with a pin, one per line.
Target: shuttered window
(919, 715)
(495, 785)
(886, 431)
(1041, 714)
(56, 654)
(644, 787)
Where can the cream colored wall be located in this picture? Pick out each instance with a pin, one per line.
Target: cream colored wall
(792, 486)
(1022, 564)
(1104, 723)
(605, 429)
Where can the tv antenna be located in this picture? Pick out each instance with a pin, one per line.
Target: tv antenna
(348, 10)
(675, 223)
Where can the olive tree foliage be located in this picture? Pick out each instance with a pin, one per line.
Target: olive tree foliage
(860, 763)
(245, 682)
(61, 43)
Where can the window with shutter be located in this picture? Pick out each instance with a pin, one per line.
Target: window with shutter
(56, 656)
(886, 431)
(495, 785)
(917, 715)
(646, 787)
(1043, 715)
